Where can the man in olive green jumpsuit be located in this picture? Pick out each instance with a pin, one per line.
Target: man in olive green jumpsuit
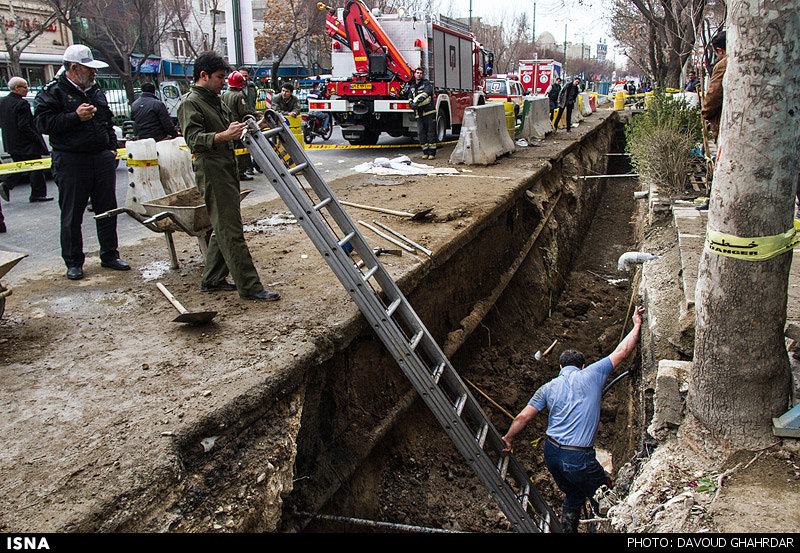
(236, 102)
(210, 132)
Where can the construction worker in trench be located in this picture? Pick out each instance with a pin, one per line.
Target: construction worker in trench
(211, 132)
(421, 99)
(573, 400)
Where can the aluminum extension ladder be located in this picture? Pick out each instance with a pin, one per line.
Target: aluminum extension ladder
(282, 160)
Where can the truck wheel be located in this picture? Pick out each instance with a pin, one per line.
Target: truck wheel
(441, 126)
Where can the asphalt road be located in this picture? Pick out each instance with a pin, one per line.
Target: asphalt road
(33, 228)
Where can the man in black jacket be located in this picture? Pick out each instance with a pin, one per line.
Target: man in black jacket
(566, 101)
(73, 110)
(150, 116)
(422, 100)
(21, 140)
(552, 93)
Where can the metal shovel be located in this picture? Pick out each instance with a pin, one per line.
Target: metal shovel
(186, 316)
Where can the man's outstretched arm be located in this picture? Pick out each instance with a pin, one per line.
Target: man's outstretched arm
(628, 344)
(520, 421)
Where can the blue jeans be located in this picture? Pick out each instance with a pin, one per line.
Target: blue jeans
(577, 473)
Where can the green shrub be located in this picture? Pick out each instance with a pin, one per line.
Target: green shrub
(660, 139)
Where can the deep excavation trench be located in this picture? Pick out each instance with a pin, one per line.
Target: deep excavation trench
(568, 288)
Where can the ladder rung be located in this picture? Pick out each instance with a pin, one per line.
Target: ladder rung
(460, 403)
(272, 132)
(393, 306)
(526, 491)
(437, 374)
(370, 273)
(346, 239)
(502, 466)
(417, 338)
(322, 204)
(298, 168)
(481, 437)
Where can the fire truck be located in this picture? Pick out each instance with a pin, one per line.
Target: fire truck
(374, 55)
(537, 75)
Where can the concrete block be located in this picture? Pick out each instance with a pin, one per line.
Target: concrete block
(484, 136)
(536, 123)
(175, 165)
(143, 174)
(585, 104)
(671, 380)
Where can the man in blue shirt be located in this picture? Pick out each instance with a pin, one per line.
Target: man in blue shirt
(573, 400)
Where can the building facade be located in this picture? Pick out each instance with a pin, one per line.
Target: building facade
(41, 59)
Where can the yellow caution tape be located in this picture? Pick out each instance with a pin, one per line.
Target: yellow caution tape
(24, 166)
(352, 147)
(142, 162)
(758, 248)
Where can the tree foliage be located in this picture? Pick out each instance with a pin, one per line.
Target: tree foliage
(658, 35)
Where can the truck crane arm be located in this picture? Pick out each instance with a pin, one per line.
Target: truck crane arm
(361, 33)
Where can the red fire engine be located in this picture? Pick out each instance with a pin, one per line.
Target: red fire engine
(537, 75)
(374, 55)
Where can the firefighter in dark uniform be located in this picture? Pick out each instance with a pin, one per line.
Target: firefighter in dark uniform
(236, 103)
(421, 99)
(210, 132)
(73, 110)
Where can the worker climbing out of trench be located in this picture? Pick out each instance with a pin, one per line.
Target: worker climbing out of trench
(573, 401)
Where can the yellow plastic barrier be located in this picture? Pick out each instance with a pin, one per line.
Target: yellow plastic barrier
(511, 120)
(619, 101)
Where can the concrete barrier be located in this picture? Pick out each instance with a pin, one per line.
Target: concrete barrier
(536, 121)
(143, 174)
(593, 102)
(175, 165)
(583, 101)
(484, 136)
(691, 99)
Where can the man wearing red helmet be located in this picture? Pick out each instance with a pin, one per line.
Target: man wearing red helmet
(236, 101)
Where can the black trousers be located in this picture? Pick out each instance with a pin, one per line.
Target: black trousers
(568, 121)
(81, 177)
(38, 185)
(426, 133)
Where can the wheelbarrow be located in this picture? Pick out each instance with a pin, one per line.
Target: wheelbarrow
(7, 262)
(183, 211)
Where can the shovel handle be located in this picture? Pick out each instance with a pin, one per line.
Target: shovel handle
(181, 309)
(378, 209)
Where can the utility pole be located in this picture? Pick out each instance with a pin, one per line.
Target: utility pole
(533, 27)
(470, 15)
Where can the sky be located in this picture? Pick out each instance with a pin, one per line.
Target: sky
(585, 22)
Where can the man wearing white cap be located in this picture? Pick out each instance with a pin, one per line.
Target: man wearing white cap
(73, 110)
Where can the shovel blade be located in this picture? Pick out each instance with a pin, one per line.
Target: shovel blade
(198, 318)
(421, 214)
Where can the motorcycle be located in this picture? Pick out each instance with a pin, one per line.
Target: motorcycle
(312, 126)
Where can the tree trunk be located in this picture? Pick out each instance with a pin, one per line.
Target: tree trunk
(740, 378)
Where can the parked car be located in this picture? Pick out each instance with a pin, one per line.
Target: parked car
(505, 89)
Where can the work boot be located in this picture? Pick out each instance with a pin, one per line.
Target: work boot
(570, 517)
(263, 295)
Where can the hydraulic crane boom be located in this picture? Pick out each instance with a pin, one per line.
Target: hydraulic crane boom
(362, 33)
